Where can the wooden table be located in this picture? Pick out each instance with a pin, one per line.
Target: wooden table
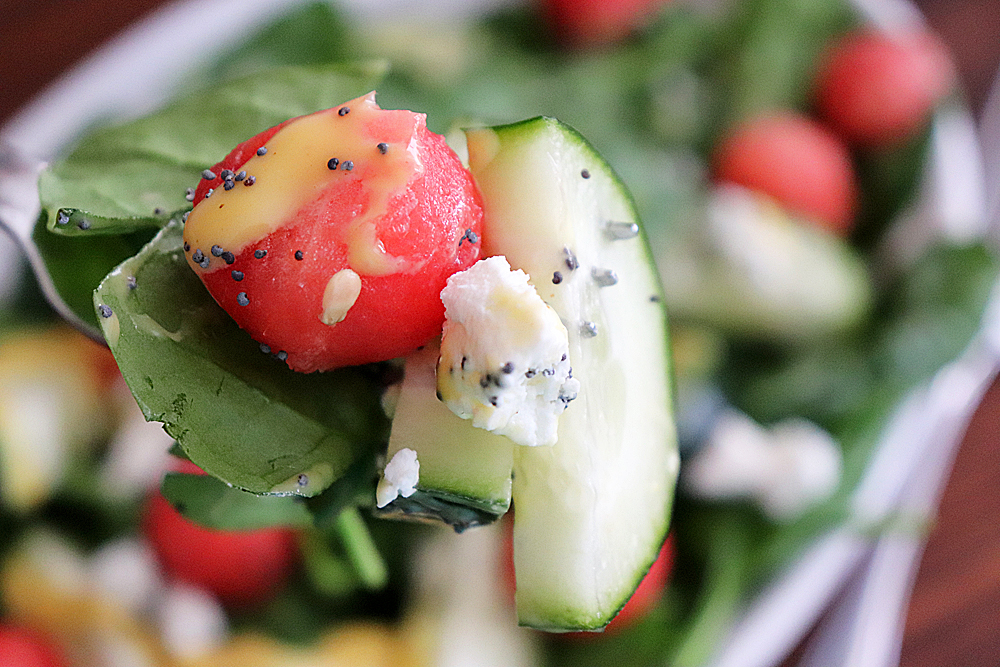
(954, 617)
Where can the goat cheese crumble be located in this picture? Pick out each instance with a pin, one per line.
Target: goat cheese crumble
(399, 479)
(504, 354)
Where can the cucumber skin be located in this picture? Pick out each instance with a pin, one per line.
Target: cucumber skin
(559, 547)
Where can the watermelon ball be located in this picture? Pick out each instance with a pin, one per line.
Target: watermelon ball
(795, 160)
(24, 647)
(876, 89)
(597, 23)
(329, 237)
(242, 568)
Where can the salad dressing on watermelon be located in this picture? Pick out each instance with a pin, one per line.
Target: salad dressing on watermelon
(330, 237)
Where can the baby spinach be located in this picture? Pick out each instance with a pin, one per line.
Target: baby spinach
(241, 415)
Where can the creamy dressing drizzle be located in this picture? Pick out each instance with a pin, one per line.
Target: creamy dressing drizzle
(294, 172)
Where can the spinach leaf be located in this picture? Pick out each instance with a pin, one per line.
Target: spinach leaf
(241, 415)
(210, 502)
(76, 265)
(312, 34)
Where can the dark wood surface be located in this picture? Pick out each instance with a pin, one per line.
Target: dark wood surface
(954, 616)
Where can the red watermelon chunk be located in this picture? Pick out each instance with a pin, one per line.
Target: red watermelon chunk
(329, 237)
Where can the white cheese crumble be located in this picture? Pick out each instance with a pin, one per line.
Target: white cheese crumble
(504, 354)
(785, 469)
(399, 479)
(192, 622)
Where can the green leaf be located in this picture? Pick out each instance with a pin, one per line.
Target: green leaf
(721, 593)
(933, 310)
(123, 178)
(355, 487)
(241, 415)
(210, 502)
(77, 265)
(345, 558)
(770, 54)
(313, 34)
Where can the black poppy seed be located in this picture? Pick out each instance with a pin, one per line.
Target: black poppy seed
(243, 299)
(588, 329)
(282, 355)
(262, 150)
(382, 147)
(302, 480)
(530, 373)
(469, 236)
(229, 184)
(197, 256)
(189, 194)
(187, 247)
(241, 175)
(571, 262)
(585, 173)
(83, 224)
(464, 360)
(557, 277)
(250, 181)
(131, 282)
(348, 165)
(217, 251)
(204, 263)
(209, 193)
(105, 311)
(604, 277)
(332, 163)
(228, 257)
(299, 255)
(655, 298)
(493, 401)
(548, 372)
(62, 218)
(621, 231)
(563, 358)
(157, 211)
(343, 111)
(260, 253)
(237, 275)
(485, 381)
(266, 349)
(508, 367)
(226, 174)
(208, 175)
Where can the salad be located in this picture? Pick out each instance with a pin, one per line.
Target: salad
(768, 209)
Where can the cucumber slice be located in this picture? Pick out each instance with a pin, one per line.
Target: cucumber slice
(464, 471)
(591, 511)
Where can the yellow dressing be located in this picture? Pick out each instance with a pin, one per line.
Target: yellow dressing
(294, 171)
